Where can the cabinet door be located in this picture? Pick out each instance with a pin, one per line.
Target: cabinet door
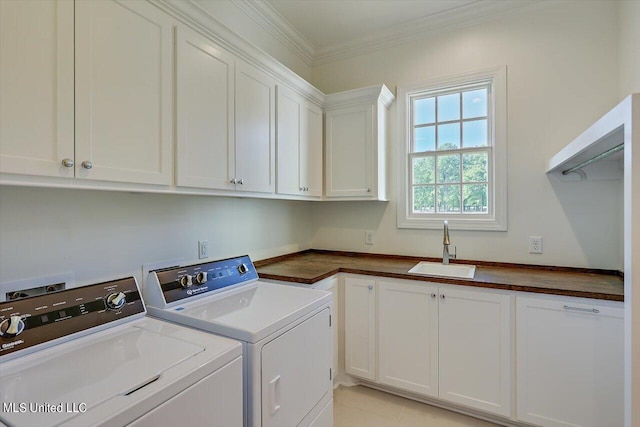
(255, 133)
(349, 157)
(570, 361)
(288, 147)
(475, 349)
(408, 337)
(124, 86)
(205, 102)
(36, 87)
(296, 372)
(311, 149)
(360, 327)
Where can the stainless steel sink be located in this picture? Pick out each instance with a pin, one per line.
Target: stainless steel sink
(461, 271)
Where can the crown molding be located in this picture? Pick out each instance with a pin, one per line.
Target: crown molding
(457, 18)
(275, 24)
(357, 96)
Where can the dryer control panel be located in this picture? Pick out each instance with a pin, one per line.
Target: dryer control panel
(179, 283)
(31, 321)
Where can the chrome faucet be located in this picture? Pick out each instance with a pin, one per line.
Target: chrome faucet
(445, 241)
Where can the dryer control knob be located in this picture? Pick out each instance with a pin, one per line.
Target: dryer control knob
(11, 327)
(201, 277)
(242, 268)
(186, 281)
(115, 300)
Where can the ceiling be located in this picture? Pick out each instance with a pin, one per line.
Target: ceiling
(330, 23)
(320, 31)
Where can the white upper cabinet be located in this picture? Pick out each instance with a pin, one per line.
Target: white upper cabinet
(124, 87)
(356, 143)
(570, 362)
(299, 145)
(205, 113)
(475, 349)
(36, 87)
(255, 129)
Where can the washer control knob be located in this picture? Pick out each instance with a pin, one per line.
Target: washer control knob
(186, 281)
(201, 277)
(115, 300)
(11, 327)
(242, 268)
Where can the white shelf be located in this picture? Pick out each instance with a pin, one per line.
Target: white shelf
(603, 136)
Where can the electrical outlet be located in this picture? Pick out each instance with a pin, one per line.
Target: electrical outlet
(203, 249)
(535, 244)
(368, 237)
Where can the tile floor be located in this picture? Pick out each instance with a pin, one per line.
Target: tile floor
(362, 406)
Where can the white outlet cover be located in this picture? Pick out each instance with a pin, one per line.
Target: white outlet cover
(369, 237)
(535, 244)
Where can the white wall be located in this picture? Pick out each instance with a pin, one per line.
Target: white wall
(629, 23)
(99, 234)
(562, 75)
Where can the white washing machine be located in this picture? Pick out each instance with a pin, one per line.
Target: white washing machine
(90, 356)
(285, 331)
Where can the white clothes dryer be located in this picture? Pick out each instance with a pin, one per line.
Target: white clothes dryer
(285, 331)
(90, 356)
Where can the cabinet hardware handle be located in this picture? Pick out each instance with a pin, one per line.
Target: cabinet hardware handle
(67, 163)
(301, 188)
(433, 295)
(588, 310)
(368, 190)
(442, 296)
(370, 287)
(87, 164)
(233, 181)
(241, 181)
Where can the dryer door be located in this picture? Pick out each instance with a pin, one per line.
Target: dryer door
(296, 371)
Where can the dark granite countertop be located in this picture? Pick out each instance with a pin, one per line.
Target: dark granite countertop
(309, 267)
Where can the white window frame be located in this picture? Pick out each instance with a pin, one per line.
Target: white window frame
(496, 218)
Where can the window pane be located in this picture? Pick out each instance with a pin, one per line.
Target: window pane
(449, 136)
(424, 111)
(475, 133)
(449, 107)
(425, 139)
(424, 170)
(449, 168)
(475, 167)
(475, 198)
(449, 198)
(474, 103)
(424, 199)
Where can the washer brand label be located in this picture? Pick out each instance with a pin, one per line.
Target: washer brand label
(197, 291)
(10, 345)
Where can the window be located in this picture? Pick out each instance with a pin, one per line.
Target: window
(453, 152)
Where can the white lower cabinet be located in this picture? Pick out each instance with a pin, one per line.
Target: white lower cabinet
(570, 362)
(475, 349)
(360, 327)
(437, 341)
(408, 336)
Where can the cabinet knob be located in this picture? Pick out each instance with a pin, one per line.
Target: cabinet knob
(68, 163)
(433, 295)
(241, 181)
(370, 287)
(368, 190)
(87, 164)
(301, 188)
(233, 181)
(306, 188)
(442, 296)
